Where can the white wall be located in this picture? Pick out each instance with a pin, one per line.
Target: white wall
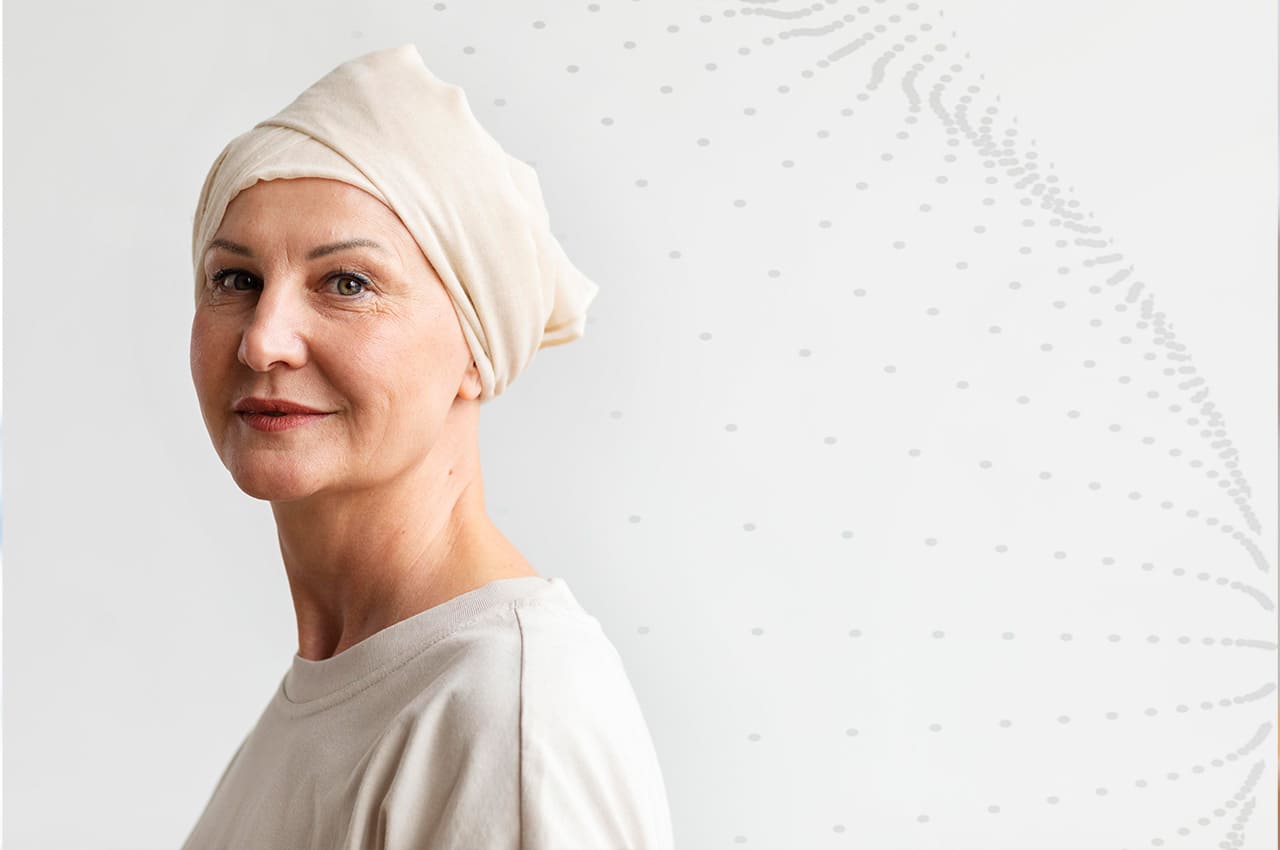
(837, 489)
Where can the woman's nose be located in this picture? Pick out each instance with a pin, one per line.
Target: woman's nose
(276, 331)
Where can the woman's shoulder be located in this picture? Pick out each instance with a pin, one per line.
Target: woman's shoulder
(531, 629)
(541, 647)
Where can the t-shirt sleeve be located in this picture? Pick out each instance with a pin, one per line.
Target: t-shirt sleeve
(589, 773)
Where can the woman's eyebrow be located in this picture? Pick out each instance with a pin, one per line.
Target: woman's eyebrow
(314, 254)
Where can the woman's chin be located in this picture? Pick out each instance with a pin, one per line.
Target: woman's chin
(274, 482)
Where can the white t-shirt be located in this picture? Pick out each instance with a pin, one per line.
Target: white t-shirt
(500, 719)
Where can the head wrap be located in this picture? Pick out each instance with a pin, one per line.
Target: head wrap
(386, 124)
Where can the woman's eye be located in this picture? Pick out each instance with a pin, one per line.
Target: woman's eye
(217, 278)
(348, 277)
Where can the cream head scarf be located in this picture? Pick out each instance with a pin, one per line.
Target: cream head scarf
(386, 124)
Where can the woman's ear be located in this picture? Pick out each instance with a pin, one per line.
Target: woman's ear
(472, 387)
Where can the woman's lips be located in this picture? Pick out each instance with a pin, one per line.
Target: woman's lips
(271, 422)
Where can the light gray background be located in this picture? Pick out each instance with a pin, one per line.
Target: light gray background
(928, 489)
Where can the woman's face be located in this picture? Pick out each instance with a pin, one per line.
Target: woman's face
(367, 334)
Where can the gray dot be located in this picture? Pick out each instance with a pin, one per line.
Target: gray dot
(1005, 724)
(922, 818)
(731, 427)
(757, 631)
(935, 727)
(804, 352)
(468, 50)
(1007, 636)
(829, 440)
(644, 630)
(1064, 719)
(851, 732)
(616, 414)
(855, 633)
(939, 634)
(665, 90)
(1051, 800)
(572, 69)
(754, 736)
(838, 828)
(995, 810)
(539, 24)
(1101, 792)
(750, 526)
(1066, 636)
(606, 121)
(704, 141)
(675, 255)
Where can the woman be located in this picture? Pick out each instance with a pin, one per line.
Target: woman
(370, 268)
